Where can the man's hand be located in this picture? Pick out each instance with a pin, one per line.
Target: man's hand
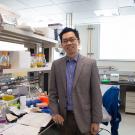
(94, 128)
(58, 119)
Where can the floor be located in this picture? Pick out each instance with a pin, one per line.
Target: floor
(127, 125)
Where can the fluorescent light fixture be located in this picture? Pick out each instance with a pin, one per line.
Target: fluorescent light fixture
(7, 46)
(107, 12)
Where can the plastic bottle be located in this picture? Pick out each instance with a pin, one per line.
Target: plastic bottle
(39, 60)
(5, 59)
(44, 60)
(22, 102)
(33, 61)
(3, 108)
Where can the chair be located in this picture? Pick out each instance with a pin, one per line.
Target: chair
(111, 105)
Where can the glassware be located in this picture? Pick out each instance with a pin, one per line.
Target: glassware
(33, 61)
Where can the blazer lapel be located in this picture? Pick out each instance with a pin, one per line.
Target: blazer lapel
(63, 72)
(78, 70)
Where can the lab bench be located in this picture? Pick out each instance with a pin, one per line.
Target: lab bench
(127, 95)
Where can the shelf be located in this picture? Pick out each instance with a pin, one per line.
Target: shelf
(15, 35)
(44, 69)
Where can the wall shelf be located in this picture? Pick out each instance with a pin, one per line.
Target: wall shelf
(15, 35)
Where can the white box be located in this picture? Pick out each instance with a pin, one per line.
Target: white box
(114, 77)
(45, 31)
(21, 59)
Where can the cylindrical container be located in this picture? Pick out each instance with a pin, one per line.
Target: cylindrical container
(8, 97)
(3, 108)
(33, 61)
(22, 102)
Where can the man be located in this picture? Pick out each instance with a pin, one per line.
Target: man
(74, 91)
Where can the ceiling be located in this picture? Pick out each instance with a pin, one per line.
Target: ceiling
(42, 12)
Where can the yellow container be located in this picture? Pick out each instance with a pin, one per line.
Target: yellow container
(8, 97)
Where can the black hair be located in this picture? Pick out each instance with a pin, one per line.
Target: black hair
(66, 29)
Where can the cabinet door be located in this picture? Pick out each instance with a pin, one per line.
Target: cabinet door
(130, 102)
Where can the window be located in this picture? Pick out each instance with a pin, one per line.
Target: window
(117, 39)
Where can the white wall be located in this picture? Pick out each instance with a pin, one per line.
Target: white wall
(83, 30)
(57, 53)
(83, 38)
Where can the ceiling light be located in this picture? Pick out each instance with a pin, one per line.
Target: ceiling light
(107, 12)
(7, 46)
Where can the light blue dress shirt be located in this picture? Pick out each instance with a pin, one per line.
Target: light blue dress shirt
(70, 74)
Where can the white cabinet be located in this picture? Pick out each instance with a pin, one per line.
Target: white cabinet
(130, 102)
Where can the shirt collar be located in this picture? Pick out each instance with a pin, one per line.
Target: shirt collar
(73, 59)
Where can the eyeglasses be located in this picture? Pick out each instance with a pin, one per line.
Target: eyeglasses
(72, 40)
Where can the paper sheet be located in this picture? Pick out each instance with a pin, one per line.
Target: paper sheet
(19, 129)
(6, 126)
(36, 120)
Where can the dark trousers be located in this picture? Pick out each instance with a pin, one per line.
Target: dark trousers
(70, 127)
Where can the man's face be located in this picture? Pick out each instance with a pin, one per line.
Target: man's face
(70, 44)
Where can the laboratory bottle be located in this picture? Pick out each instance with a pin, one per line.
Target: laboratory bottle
(3, 108)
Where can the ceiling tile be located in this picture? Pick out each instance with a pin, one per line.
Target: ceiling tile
(104, 4)
(85, 21)
(66, 1)
(12, 4)
(81, 15)
(36, 3)
(74, 6)
(48, 9)
(43, 15)
(123, 3)
(127, 10)
(27, 12)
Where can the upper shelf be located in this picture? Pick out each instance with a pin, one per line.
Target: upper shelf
(45, 69)
(15, 35)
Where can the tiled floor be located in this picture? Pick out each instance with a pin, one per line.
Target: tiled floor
(127, 125)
